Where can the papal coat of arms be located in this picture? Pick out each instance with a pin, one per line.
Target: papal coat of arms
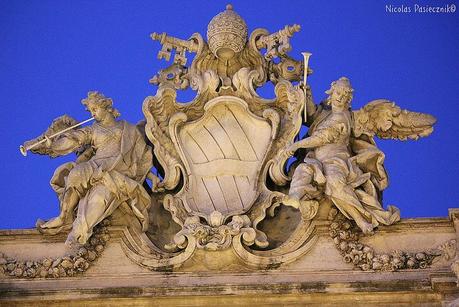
(215, 172)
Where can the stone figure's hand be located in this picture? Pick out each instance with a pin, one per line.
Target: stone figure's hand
(308, 91)
(48, 142)
(97, 175)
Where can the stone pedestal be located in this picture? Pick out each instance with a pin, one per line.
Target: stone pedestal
(220, 278)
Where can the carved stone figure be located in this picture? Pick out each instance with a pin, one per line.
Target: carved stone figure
(113, 162)
(343, 161)
(221, 159)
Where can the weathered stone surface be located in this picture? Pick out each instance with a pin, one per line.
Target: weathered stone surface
(219, 277)
(238, 211)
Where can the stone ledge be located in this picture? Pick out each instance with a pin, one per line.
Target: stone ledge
(309, 280)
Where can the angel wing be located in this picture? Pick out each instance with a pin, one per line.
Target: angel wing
(386, 120)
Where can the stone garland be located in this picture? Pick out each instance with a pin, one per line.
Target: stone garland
(346, 236)
(66, 266)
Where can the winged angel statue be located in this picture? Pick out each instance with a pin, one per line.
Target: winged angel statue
(221, 159)
(343, 162)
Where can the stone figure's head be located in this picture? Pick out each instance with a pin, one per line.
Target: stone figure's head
(100, 106)
(340, 93)
(227, 34)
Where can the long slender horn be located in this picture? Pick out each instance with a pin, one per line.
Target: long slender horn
(23, 149)
(306, 56)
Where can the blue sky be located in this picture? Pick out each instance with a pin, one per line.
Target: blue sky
(53, 52)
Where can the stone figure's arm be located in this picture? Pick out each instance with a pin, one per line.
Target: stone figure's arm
(70, 141)
(311, 107)
(320, 137)
(307, 143)
(312, 110)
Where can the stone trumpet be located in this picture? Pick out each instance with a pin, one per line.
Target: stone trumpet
(24, 148)
(306, 56)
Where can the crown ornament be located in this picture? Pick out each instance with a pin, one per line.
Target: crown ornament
(227, 33)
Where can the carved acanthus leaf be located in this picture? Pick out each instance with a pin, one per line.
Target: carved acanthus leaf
(243, 80)
(157, 111)
(205, 84)
(289, 98)
(215, 236)
(175, 207)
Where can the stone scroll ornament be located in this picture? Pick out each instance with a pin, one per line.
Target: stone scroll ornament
(220, 160)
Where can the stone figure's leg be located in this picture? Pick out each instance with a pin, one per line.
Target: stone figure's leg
(344, 197)
(349, 210)
(77, 183)
(68, 204)
(301, 183)
(97, 205)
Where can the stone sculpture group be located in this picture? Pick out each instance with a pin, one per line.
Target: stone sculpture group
(222, 163)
